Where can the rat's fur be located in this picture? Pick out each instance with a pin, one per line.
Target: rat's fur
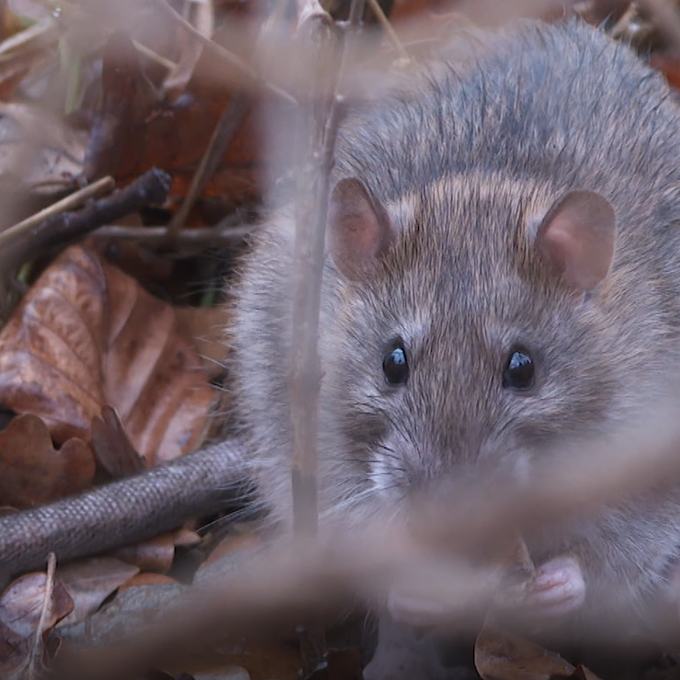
(466, 159)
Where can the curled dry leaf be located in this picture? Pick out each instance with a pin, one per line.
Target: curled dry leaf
(112, 447)
(25, 616)
(186, 538)
(500, 655)
(33, 472)
(155, 555)
(86, 335)
(89, 582)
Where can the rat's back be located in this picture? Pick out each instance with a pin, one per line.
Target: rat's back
(562, 103)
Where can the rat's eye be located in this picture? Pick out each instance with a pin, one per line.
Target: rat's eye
(395, 364)
(519, 371)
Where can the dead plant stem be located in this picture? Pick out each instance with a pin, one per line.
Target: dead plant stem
(105, 185)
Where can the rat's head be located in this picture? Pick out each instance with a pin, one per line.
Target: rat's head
(476, 327)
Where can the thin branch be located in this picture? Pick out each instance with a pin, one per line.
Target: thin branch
(154, 56)
(319, 125)
(387, 27)
(224, 132)
(105, 185)
(151, 188)
(666, 19)
(200, 236)
(223, 54)
(316, 28)
(35, 657)
(61, 229)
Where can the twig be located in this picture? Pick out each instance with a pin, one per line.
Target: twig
(307, 268)
(387, 27)
(186, 236)
(102, 186)
(319, 124)
(45, 30)
(151, 188)
(59, 230)
(224, 131)
(45, 611)
(223, 54)
(78, 13)
(666, 19)
(311, 214)
(154, 56)
(623, 25)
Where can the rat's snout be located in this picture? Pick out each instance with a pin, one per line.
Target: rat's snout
(462, 458)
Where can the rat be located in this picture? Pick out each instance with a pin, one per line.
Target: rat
(502, 275)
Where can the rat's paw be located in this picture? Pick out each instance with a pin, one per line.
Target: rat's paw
(557, 589)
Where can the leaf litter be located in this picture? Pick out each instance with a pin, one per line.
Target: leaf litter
(106, 378)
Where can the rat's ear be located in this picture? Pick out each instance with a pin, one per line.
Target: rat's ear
(576, 239)
(359, 229)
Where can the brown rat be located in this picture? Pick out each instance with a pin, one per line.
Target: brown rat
(503, 274)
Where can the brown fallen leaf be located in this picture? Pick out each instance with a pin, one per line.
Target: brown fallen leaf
(39, 154)
(669, 65)
(127, 98)
(29, 608)
(148, 579)
(186, 538)
(89, 582)
(133, 126)
(112, 448)
(85, 336)
(207, 325)
(500, 655)
(583, 673)
(33, 472)
(154, 555)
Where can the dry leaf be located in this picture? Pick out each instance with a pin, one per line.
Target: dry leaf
(128, 97)
(25, 616)
(669, 65)
(148, 579)
(155, 554)
(583, 673)
(51, 167)
(207, 325)
(112, 448)
(85, 336)
(89, 582)
(132, 130)
(33, 472)
(500, 655)
(231, 548)
(186, 538)
(132, 610)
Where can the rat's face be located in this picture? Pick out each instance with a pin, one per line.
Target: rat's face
(469, 345)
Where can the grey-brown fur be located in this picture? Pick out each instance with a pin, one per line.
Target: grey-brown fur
(467, 159)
